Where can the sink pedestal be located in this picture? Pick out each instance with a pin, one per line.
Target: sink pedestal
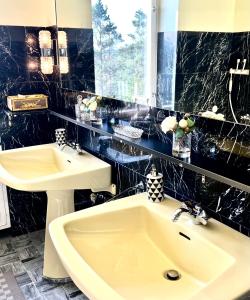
(59, 203)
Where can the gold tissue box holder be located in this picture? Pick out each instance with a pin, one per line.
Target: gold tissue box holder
(27, 102)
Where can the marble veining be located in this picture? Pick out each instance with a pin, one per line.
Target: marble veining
(81, 74)
(20, 71)
(20, 63)
(201, 77)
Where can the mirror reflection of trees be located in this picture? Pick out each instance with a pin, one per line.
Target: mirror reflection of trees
(119, 59)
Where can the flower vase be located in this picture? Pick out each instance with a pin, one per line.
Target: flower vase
(93, 115)
(181, 146)
(85, 116)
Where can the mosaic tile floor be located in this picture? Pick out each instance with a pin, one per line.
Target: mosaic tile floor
(23, 255)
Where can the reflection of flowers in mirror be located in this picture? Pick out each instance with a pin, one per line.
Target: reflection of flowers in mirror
(90, 104)
(30, 39)
(212, 114)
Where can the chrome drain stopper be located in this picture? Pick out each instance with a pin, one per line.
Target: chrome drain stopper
(172, 275)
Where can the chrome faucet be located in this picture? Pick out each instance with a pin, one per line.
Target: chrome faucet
(198, 215)
(75, 146)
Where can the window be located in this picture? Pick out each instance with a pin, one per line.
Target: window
(125, 47)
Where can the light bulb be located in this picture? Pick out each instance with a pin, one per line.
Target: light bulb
(63, 57)
(47, 64)
(32, 64)
(44, 39)
(64, 64)
(62, 39)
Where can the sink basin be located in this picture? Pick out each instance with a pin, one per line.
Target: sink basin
(121, 250)
(58, 172)
(45, 167)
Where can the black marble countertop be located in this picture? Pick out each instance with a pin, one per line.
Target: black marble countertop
(154, 141)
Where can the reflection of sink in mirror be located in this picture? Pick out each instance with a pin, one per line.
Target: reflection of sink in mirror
(122, 249)
(125, 158)
(120, 152)
(148, 126)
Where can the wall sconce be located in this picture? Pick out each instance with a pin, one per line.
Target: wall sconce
(63, 53)
(45, 44)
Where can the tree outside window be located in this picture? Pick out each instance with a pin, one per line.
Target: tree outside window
(120, 58)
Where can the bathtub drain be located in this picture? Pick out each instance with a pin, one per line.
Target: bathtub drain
(172, 275)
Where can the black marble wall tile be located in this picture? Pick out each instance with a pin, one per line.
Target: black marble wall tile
(20, 60)
(81, 74)
(227, 204)
(196, 92)
(20, 70)
(203, 52)
(240, 48)
(83, 84)
(12, 53)
(202, 72)
(25, 129)
(224, 141)
(27, 211)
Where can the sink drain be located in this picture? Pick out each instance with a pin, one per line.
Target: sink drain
(172, 275)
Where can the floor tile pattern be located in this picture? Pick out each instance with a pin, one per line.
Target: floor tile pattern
(23, 255)
(5, 293)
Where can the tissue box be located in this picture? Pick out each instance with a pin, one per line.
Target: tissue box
(27, 102)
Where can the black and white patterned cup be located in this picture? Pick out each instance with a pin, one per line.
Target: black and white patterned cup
(60, 134)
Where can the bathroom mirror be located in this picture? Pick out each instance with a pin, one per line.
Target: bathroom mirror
(182, 55)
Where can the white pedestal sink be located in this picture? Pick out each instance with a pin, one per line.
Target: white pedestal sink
(58, 172)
